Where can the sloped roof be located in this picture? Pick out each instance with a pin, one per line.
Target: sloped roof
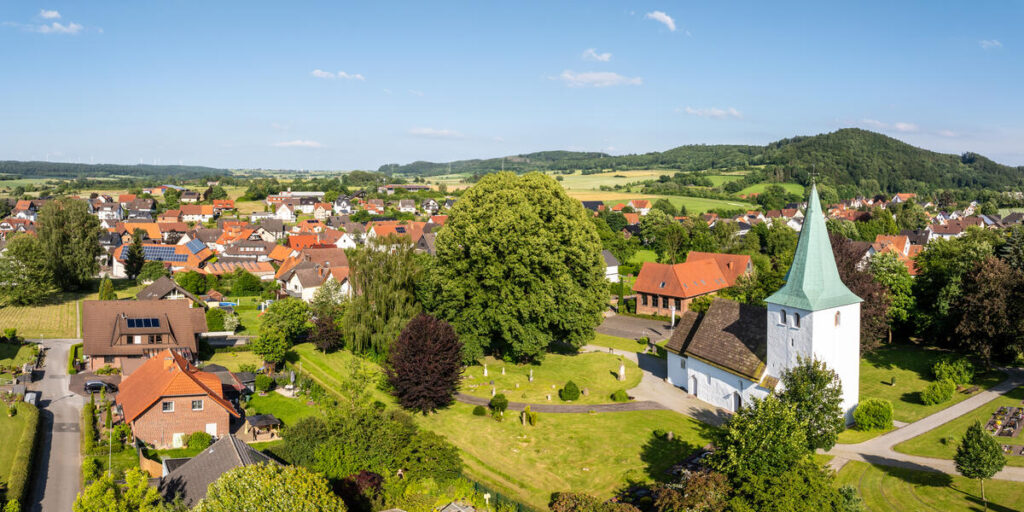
(609, 259)
(281, 253)
(730, 335)
(159, 289)
(732, 266)
(253, 267)
(813, 282)
(103, 322)
(683, 280)
(167, 374)
(192, 479)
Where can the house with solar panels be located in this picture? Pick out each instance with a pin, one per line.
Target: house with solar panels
(191, 255)
(125, 333)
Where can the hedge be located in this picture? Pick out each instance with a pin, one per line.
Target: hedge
(71, 358)
(21, 466)
(873, 414)
(88, 428)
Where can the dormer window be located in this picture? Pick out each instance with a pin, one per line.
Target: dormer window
(662, 285)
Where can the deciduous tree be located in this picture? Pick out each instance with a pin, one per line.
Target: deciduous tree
(764, 438)
(519, 268)
(890, 272)
(25, 272)
(70, 240)
(979, 456)
(106, 495)
(988, 311)
(815, 393)
(270, 487)
(873, 325)
(425, 364)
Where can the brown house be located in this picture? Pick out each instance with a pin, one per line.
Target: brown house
(662, 288)
(123, 334)
(168, 398)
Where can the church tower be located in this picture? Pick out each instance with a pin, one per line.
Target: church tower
(814, 313)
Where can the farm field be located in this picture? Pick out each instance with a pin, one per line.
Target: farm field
(592, 453)
(721, 179)
(888, 489)
(694, 205)
(596, 372)
(943, 440)
(794, 188)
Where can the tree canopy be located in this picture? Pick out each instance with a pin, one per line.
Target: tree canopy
(270, 488)
(70, 239)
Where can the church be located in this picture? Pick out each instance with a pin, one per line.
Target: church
(735, 352)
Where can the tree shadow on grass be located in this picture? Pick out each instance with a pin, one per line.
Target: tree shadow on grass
(660, 454)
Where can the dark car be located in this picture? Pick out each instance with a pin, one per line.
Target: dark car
(95, 386)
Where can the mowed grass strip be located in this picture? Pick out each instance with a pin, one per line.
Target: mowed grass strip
(606, 340)
(593, 453)
(332, 370)
(887, 489)
(11, 430)
(912, 368)
(597, 372)
(943, 440)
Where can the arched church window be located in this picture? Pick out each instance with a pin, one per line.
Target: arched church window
(783, 313)
(796, 319)
(837, 319)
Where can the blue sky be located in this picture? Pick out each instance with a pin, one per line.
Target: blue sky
(311, 85)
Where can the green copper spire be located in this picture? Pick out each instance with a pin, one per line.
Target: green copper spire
(813, 282)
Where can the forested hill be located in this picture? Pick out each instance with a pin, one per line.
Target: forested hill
(14, 168)
(849, 156)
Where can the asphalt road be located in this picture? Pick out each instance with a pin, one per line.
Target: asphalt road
(57, 471)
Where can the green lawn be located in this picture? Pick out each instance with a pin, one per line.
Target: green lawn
(288, 410)
(120, 461)
(911, 365)
(593, 371)
(16, 355)
(593, 453)
(794, 188)
(694, 205)
(617, 343)
(886, 489)
(854, 436)
(331, 370)
(644, 255)
(11, 430)
(719, 180)
(930, 444)
(233, 360)
(249, 319)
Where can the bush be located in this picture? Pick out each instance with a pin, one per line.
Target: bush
(570, 392)
(21, 466)
(530, 416)
(88, 428)
(643, 340)
(873, 414)
(90, 469)
(264, 383)
(499, 403)
(479, 411)
(199, 441)
(72, 358)
(108, 370)
(247, 367)
(620, 396)
(938, 392)
(215, 320)
(960, 371)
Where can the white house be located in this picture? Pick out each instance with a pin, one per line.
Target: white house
(611, 266)
(735, 352)
(407, 206)
(285, 213)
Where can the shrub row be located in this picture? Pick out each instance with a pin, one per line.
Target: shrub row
(71, 358)
(88, 428)
(21, 466)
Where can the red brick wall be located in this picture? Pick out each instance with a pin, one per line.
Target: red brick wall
(654, 305)
(158, 428)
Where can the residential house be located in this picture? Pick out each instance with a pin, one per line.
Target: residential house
(321, 211)
(108, 211)
(247, 250)
(169, 216)
(164, 288)
(344, 205)
(27, 209)
(124, 199)
(13, 225)
(611, 266)
(190, 481)
(167, 398)
(141, 204)
(271, 226)
(641, 206)
(426, 243)
(410, 230)
(902, 198)
(663, 289)
(222, 205)
(189, 255)
(407, 206)
(411, 187)
(594, 206)
(190, 197)
(197, 213)
(430, 206)
(124, 333)
(439, 220)
(285, 213)
(301, 275)
(261, 269)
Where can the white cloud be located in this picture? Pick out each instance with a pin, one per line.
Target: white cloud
(59, 28)
(50, 15)
(597, 79)
(591, 54)
(905, 127)
(319, 73)
(714, 113)
(298, 143)
(435, 133)
(988, 44)
(948, 133)
(663, 18)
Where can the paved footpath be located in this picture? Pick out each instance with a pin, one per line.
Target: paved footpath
(57, 468)
(880, 449)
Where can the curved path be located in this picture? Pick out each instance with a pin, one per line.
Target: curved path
(880, 449)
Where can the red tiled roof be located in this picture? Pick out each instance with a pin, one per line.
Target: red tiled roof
(197, 209)
(632, 218)
(439, 219)
(732, 266)
(281, 253)
(252, 267)
(640, 203)
(167, 374)
(224, 203)
(683, 280)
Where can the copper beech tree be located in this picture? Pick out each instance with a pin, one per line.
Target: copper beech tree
(425, 364)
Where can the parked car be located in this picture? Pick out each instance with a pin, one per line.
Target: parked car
(95, 386)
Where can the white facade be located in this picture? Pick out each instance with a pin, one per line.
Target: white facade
(712, 384)
(611, 273)
(830, 335)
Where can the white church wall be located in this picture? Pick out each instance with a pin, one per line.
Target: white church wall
(676, 374)
(718, 387)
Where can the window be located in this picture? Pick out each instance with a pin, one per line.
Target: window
(664, 302)
(678, 305)
(796, 319)
(167, 406)
(197, 405)
(783, 315)
(682, 362)
(837, 319)
(643, 298)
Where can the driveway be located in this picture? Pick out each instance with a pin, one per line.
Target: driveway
(77, 383)
(56, 473)
(632, 328)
